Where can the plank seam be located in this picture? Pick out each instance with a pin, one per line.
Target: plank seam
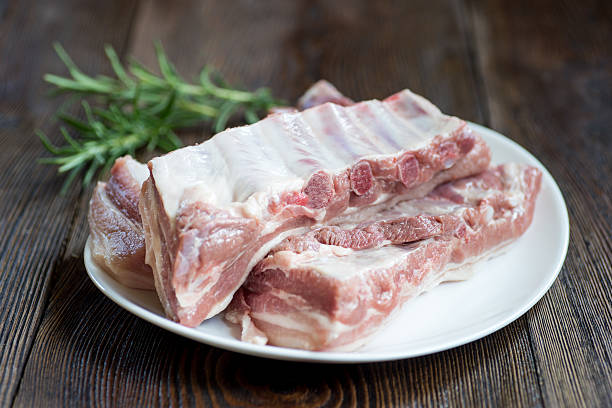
(535, 362)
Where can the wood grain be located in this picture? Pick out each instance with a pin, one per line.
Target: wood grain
(541, 73)
(548, 77)
(34, 219)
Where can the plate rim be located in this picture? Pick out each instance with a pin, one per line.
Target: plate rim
(354, 357)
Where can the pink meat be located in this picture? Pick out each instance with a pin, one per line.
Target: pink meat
(322, 92)
(117, 239)
(333, 295)
(319, 93)
(210, 212)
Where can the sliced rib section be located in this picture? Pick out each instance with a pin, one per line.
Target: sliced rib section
(332, 293)
(210, 212)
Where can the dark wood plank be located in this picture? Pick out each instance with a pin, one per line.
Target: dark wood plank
(89, 351)
(34, 219)
(287, 47)
(3, 5)
(548, 74)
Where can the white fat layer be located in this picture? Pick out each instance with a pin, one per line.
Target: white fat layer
(302, 320)
(514, 188)
(401, 209)
(281, 152)
(303, 325)
(276, 222)
(139, 171)
(343, 263)
(154, 254)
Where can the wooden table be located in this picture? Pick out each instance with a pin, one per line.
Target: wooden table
(537, 71)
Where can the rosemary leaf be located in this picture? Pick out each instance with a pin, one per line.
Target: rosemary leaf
(138, 109)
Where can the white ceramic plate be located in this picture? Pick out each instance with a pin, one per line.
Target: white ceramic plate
(502, 289)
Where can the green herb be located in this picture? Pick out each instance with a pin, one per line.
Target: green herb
(139, 109)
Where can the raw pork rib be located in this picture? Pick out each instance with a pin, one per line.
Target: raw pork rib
(313, 294)
(118, 243)
(117, 239)
(321, 92)
(210, 212)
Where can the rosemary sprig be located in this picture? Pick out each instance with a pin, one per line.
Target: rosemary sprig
(139, 109)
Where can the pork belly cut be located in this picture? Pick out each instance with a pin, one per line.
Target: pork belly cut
(117, 239)
(333, 295)
(210, 212)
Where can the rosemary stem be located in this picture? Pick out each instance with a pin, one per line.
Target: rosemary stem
(139, 109)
